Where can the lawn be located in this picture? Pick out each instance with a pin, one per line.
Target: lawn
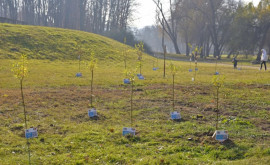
(57, 104)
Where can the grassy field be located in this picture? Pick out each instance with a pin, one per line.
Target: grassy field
(57, 103)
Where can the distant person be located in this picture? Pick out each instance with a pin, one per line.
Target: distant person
(264, 59)
(234, 61)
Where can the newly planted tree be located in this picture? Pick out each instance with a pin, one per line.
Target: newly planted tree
(174, 115)
(217, 82)
(91, 66)
(79, 56)
(79, 53)
(173, 71)
(195, 53)
(20, 72)
(140, 49)
(125, 53)
(131, 76)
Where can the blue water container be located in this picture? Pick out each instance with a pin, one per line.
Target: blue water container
(175, 115)
(128, 131)
(126, 81)
(141, 77)
(92, 113)
(31, 133)
(79, 74)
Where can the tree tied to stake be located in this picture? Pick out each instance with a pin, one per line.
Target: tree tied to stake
(20, 71)
(195, 54)
(79, 52)
(131, 74)
(218, 82)
(91, 66)
(173, 70)
(140, 49)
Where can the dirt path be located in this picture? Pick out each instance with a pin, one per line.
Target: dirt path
(209, 61)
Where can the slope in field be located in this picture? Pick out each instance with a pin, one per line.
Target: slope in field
(55, 43)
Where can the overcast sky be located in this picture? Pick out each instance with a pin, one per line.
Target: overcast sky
(146, 12)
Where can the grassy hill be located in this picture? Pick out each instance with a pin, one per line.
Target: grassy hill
(54, 43)
(57, 104)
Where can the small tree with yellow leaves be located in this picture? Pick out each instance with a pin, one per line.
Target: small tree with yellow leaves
(91, 66)
(140, 49)
(195, 54)
(217, 82)
(20, 72)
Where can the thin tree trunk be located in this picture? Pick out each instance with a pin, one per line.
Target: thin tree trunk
(131, 104)
(92, 72)
(217, 108)
(164, 54)
(173, 93)
(164, 51)
(25, 121)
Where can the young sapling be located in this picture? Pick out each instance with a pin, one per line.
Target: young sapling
(79, 52)
(125, 53)
(91, 66)
(195, 54)
(174, 115)
(140, 49)
(20, 71)
(218, 82)
(126, 79)
(131, 76)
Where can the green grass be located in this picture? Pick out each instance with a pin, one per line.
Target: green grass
(54, 43)
(57, 103)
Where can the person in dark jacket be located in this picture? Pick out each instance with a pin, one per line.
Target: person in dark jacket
(234, 61)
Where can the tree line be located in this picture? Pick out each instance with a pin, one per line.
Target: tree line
(97, 16)
(219, 25)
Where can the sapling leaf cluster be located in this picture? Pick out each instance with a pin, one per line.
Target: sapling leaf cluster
(139, 50)
(20, 71)
(195, 54)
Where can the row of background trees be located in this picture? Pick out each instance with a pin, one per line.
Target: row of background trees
(106, 17)
(95, 16)
(217, 26)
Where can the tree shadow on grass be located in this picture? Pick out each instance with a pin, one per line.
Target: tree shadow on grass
(228, 144)
(81, 118)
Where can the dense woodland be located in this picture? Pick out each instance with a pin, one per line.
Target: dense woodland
(95, 16)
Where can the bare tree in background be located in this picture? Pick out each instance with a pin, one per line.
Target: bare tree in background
(170, 26)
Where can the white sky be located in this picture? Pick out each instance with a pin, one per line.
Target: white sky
(146, 12)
